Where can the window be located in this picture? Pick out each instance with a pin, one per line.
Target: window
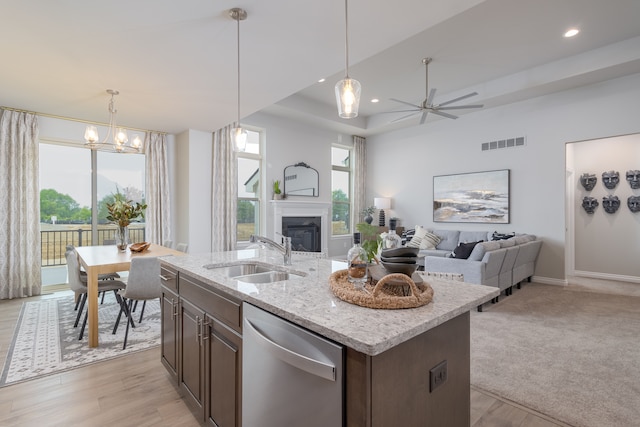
(341, 190)
(66, 197)
(249, 187)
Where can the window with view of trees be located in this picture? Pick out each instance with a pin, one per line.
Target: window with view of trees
(341, 190)
(249, 187)
(66, 198)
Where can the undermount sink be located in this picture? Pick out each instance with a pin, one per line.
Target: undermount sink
(268, 277)
(253, 272)
(240, 269)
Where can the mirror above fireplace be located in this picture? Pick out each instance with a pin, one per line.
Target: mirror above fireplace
(301, 180)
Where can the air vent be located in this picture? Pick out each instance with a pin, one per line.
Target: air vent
(503, 143)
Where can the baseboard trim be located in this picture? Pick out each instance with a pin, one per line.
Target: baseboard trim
(607, 276)
(549, 281)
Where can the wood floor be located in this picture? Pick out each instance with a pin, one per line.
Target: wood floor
(135, 390)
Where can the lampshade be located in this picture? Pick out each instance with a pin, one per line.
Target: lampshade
(382, 202)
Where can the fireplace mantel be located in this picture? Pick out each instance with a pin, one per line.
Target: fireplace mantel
(286, 208)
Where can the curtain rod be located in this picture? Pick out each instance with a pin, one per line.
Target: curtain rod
(89, 122)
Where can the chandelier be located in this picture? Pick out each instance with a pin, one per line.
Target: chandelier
(117, 139)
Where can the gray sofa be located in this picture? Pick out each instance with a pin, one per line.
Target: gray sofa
(500, 263)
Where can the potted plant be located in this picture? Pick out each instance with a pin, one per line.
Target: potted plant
(277, 193)
(370, 240)
(367, 212)
(121, 213)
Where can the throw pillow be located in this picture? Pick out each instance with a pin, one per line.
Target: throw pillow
(430, 241)
(501, 236)
(416, 240)
(463, 250)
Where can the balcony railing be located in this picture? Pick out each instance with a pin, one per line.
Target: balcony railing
(54, 242)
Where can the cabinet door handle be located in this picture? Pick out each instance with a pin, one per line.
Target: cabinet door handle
(198, 330)
(203, 333)
(174, 304)
(165, 278)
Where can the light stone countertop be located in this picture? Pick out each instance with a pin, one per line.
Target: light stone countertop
(309, 301)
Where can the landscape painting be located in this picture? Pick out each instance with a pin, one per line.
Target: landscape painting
(472, 197)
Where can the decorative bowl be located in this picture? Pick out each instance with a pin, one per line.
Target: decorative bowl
(398, 267)
(400, 259)
(139, 247)
(404, 252)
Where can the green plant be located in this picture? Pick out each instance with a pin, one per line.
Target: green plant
(123, 211)
(368, 210)
(370, 239)
(276, 187)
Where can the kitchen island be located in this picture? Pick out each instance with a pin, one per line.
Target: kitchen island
(402, 367)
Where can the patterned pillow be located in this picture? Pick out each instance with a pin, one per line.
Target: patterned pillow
(430, 241)
(417, 237)
(463, 250)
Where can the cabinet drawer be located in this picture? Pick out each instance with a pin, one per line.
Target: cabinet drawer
(223, 307)
(169, 278)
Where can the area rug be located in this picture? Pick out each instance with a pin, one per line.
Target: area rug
(45, 341)
(574, 356)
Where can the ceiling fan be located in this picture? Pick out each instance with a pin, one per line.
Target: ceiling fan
(427, 105)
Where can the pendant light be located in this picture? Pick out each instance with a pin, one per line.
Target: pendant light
(348, 89)
(239, 135)
(117, 139)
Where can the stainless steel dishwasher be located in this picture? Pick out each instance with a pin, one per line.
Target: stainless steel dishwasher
(290, 376)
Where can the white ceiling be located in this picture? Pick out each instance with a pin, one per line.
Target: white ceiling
(174, 63)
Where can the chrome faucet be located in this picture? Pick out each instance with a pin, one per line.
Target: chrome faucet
(284, 248)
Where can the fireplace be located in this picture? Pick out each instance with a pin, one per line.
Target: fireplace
(307, 223)
(304, 232)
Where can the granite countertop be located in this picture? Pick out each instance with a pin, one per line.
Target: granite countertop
(309, 301)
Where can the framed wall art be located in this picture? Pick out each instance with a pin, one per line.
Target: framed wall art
(481, 197)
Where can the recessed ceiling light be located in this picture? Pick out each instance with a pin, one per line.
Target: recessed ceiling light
(374, 100)
(321, 80)
(571, 32)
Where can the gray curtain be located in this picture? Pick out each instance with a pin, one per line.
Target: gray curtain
(224, 188)
(20, 262)
(359, 176)
(158, 213)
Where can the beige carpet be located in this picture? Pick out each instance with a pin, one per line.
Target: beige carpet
(574, 356)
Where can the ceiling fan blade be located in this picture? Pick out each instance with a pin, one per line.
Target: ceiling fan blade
(447, 115)
(460, 98)
(460, 106)
(406, 103)
(402, 118)
(399, 111)
(424, 116)
(431, 95)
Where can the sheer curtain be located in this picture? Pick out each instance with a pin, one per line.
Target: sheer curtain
(20, 261)
(224, 188)
(158, 213)
(359, 176)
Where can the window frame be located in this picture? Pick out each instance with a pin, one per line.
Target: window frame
(349, 170)
(260, 198)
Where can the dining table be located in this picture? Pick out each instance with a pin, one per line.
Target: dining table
(102, 259)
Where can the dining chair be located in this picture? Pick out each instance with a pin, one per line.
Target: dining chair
(182, 247)
(143, 284)
(168, 244)
(83, 276)
(80, 288)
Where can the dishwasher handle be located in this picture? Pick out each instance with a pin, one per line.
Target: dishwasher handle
(312, 366)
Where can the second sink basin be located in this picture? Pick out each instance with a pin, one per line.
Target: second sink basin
(254, 272)
(268, 277)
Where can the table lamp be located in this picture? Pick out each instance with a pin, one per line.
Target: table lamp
(382, 203)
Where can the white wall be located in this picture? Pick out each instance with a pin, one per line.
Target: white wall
(288, 143)
(401, 164)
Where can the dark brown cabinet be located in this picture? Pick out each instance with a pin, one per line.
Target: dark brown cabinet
(202, 349)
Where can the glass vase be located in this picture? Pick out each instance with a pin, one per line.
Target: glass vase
(122, 238)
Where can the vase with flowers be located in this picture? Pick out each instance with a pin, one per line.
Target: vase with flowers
(122, 212)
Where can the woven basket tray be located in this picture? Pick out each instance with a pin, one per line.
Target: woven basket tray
(393, 291)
